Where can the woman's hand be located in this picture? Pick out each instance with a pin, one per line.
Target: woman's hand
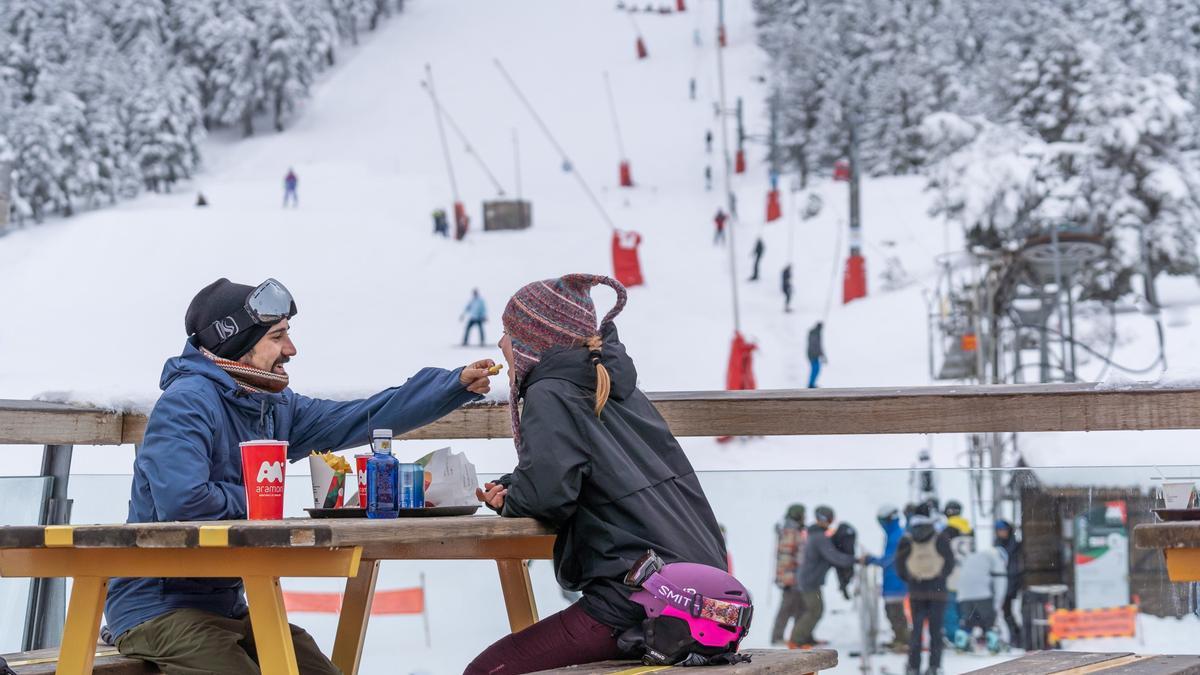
(492, 494)
(475, 376)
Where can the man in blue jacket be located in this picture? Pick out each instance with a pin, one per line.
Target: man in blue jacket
(229, 385)
(894, 588)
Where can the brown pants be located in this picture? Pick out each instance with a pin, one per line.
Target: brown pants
(196, 642)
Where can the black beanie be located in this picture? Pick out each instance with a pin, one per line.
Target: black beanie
(216, 301)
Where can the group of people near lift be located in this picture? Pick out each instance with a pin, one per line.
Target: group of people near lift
(935, 579)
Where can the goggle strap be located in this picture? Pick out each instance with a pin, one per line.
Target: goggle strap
(219, 331)
(726, 613)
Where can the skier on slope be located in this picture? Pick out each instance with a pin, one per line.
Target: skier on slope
(819, 556)
(789, 553)
(922, 481)
(759, 248)
(719, 221)
(962, 544)
(982, 588)
(708, 177)
(1007, 540)
(708, 139)
(924, 561)
(476, 314)
(895, 591)
(290, 181)
(787, 288)
(816, 354)
(440, 224)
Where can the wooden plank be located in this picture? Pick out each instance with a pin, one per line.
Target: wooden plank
(41, 423)
(104, 665)
(457, 534)
(1045, 663)
(885, 410)
(1159, 665)
(761, 661)
(1185, 534)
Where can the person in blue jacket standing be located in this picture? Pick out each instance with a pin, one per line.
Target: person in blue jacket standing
(475, 313)
(229, 385)
(894, 588)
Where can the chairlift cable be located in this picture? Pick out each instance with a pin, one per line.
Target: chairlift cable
(437, 113)
(549, 136)
(612, 107)
(467, 147)
(733, 217)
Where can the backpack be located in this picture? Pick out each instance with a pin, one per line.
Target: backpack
(924, 562)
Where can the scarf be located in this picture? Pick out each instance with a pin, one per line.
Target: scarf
(248, 378)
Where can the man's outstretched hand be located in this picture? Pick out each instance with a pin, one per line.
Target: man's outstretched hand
(492, 495)
(475, 376)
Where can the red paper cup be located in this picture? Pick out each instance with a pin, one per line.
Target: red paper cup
(263, 471)
(360, 462)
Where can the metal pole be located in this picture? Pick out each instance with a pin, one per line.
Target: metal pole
(1068, 375)
(467, 147)
(437, 113)
(855, 219)
(46, 610)
(517, 162)
(612, 107)
(549, 136)
(733, 277)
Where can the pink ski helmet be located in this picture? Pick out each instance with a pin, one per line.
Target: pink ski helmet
(716, 607)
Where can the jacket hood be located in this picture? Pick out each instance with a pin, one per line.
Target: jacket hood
(959, 523)
(573, 365)
(921, 528)
(193, 363)
(891, 527)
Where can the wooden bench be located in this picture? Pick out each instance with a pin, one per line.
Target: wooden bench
(762, 661)
(108, 662)
(261, 552)
(1078, 663)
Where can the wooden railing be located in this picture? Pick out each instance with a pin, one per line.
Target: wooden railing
(894, 410)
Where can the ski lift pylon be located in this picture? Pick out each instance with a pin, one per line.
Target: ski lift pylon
(774, 210)
(627, 268)
(641, 48)
(739, 163)
(626, 174)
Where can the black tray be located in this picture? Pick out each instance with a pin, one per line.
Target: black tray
(430, 512)
(1177, 514)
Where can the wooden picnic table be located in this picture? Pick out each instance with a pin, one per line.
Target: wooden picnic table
(261, 552)
(1179, 542)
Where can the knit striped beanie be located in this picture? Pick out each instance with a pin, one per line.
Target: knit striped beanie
(552, 313)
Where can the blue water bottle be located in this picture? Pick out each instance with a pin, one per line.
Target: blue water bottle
(383, 470)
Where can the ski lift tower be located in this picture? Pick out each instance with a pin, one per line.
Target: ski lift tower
(994, 316)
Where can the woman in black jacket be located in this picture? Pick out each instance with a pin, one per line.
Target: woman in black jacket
(596, 461)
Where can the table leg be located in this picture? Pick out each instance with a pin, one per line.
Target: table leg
(78, 651)
(356, 612)
(518, 594)
(268, 620)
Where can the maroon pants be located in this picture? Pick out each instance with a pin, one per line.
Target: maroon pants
(568, 638)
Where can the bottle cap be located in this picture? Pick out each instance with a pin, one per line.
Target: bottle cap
(381, 433)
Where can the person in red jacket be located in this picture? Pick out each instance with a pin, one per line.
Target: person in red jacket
(719, 220)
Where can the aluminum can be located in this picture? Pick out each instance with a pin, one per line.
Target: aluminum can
(412, 486)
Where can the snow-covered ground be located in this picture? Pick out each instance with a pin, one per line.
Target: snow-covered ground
(93, 305)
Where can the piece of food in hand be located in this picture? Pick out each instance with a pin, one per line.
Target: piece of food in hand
(495, 370)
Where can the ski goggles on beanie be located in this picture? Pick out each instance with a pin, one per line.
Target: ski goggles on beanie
(696, 614)
(266, 305)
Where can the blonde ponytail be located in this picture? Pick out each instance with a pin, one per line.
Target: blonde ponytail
(603, 382)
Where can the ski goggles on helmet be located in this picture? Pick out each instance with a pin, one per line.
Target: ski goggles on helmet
(645, 575)
(266, 305)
